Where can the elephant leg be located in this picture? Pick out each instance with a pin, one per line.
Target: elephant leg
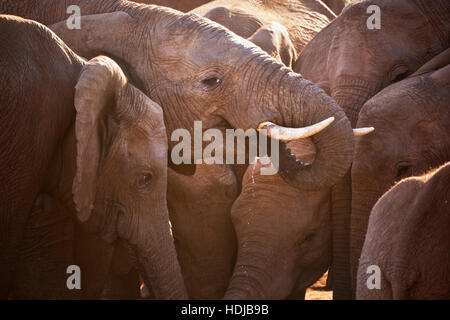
(45, 253)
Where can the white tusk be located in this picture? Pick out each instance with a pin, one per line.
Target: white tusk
(362, 131)
(289, 134)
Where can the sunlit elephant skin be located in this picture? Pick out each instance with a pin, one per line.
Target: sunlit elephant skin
(408, 240)
(182, 5)
(302, 19)
(199, 208)
(355, 64)
(338, 5)
(412, 119)
(100, 150)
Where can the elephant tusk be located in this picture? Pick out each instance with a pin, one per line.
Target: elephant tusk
(362, 131)
(290, 134)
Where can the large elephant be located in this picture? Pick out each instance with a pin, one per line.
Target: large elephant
(352, 63)
(284, 236)
(412, 119)
(302, 19)
(182, 5)
(99, 149)
(408, 241)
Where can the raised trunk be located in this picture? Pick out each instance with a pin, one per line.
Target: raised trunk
(292, 101)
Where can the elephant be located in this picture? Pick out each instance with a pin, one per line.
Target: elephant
(302, 19)
(181, 5)
(199, 209)
(100, 150)
(219, 87)
(408, 240)
(356, 63)
(284, 235)
(337, 6)
(412, 119)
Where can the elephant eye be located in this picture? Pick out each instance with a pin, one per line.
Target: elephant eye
(211, 82)
(144, 180)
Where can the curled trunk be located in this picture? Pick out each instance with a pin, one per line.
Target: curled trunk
(157, 260)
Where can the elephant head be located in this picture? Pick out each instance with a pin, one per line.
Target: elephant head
(413, 253)
(412, 136)
(198, 70)
(284, 236)
(354, 63)
(119, 189)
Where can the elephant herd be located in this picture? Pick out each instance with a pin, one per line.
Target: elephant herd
(87, 115)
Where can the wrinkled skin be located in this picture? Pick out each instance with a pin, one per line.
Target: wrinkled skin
(182, 5)
(408, 240)
(412, 137)
(302, 20)
(355, 64)
(104, 161)
(284, 236)
(338, 5)
(218, 86)
(200, 207)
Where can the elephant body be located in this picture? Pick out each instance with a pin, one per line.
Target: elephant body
(408, 240)
(338, 5)
(301, 19)
(77, 154)
(283, 235)
(182, 5)
(412, 119)
(352, 63)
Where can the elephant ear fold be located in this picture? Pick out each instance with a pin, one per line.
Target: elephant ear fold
(438, 62)
(274, 39)
(98, 87)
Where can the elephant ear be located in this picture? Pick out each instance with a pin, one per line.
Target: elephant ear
(274, 39)
(99, 33)
(98, 87)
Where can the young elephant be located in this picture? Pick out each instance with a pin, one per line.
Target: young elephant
(296, 20)
(412, 119)
(408, 240)
(284, 236)
(99, 150)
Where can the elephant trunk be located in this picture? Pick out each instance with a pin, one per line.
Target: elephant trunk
(256, 275)
(158, 262)
(363, 200)
(350, 93)
(276, 94)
